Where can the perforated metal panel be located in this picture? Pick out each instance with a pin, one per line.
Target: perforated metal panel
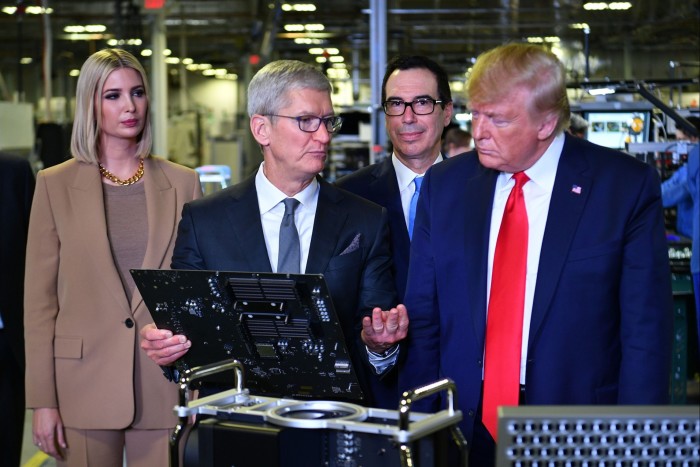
(600, 436)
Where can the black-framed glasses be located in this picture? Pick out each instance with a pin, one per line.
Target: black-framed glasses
(420, 106)
(310, 123)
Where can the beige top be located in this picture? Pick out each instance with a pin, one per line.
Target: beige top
(127, 229)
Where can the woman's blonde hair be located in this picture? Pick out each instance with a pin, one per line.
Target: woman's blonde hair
(87, 123)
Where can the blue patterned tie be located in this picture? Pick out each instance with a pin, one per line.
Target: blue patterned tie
(412, 207)
(289, 255)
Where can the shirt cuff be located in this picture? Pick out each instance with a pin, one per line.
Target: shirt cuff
(383, 361)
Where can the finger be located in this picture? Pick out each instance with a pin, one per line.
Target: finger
(146, 329)
(165, 361)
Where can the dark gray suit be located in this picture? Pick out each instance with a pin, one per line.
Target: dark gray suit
(16, 190)
(224, 232)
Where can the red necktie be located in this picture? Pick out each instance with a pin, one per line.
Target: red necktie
(504, 326)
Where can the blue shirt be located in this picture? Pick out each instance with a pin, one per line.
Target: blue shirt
(676, 192)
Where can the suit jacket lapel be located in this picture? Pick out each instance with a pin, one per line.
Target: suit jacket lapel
(246, 227)
(87, 197)
(328, 223)
(387, 188)
(477, 227)
(571, 189)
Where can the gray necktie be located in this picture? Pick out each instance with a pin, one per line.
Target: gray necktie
(289, 256)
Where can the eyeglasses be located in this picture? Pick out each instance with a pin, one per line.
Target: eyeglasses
(421, 106)
(310, 124)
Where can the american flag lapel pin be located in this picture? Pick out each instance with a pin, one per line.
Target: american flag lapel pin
(576, 189)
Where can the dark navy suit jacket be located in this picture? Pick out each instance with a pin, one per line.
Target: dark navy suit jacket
(602, 313)
(224, 232)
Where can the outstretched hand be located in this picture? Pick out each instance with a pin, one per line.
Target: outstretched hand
(384, 328)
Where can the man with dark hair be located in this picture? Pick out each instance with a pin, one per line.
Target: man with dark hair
(456, 141)
(16, 190)
(418, 105)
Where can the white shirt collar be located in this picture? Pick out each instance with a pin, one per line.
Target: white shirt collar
(270, 196)
(404, 175)
(544, 171)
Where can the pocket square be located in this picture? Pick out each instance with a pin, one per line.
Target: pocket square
(354, 245)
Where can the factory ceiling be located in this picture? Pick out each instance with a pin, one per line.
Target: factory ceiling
(651, 39)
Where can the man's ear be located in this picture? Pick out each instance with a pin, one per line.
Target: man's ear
(260, 128)
(548, 126)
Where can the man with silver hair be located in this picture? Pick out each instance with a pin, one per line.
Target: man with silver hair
(340, 235)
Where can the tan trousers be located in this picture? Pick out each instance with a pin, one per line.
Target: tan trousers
(106, 448)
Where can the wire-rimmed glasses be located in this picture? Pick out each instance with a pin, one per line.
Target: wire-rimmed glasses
(311, 123)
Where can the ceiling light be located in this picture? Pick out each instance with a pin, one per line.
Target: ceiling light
(26, 60)
(37, 10)
(620, 5)
(316, 50)
(601, 91)
(293, 27)
(30, 10)
(307, 41)
(535, 40)
(146, 52)
(74, 72)
(209, 72)
(336, 59)
(298, 7)
(583, 26)
(187, 61)
(314, 27)
(595, 6)
(321, 59)
(172, 60)
(94, 28)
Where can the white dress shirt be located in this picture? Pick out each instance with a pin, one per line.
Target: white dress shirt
(537, 193)
(404, 177)
(270, 202)
(271, 205)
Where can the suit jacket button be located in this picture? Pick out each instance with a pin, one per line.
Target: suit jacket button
(129, 323)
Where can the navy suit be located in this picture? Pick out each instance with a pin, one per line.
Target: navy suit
(224, 232)
(16, 191)
(602, 313)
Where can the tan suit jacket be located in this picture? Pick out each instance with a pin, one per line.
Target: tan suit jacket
(81, 334)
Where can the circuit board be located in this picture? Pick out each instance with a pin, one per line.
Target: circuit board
(283, 328)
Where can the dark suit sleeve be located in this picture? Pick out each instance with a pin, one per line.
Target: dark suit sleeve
(186, 254)
(377, 287)
(645, 301)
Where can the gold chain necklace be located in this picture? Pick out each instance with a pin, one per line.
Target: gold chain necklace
(129, 181)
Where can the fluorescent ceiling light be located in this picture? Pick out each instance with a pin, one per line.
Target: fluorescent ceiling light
(601, 91)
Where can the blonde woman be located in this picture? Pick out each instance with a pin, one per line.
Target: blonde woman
(111, 208)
